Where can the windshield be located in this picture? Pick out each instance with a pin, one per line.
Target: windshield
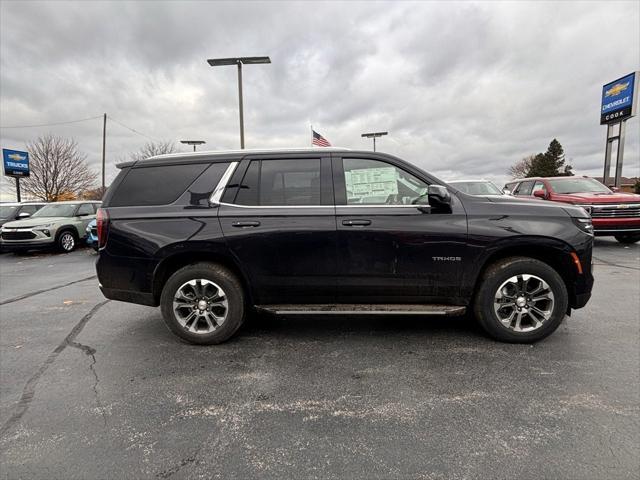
(7, 211)
(56, 210)
(477, 188)
(577, 185)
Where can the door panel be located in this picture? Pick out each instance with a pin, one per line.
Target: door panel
(395, 253)
(288, 251)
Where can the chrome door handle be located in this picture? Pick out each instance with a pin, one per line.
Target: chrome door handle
(356, 223)
(245, 224)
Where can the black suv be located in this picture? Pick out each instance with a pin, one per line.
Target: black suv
(208, 235)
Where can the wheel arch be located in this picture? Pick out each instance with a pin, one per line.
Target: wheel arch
(68, 228)
(175, 261)
(553, 252)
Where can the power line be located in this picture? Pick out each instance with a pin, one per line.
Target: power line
(133, 130)
(53, 124)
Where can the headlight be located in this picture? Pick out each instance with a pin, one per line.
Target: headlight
(40, 227)
(584, 224)
(588, 208)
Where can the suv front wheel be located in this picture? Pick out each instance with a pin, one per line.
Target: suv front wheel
(520, 300)
(203, 303)
(628, 238)
(66, 241)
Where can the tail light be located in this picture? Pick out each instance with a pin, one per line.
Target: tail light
(102, 225)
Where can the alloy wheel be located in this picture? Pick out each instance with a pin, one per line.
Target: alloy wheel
(67, 241)
(523, 303)
(200, 306)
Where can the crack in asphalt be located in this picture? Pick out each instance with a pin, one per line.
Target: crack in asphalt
(90, 351)
(611, 264)
(38, 292)
(185, 461)
(29, 389)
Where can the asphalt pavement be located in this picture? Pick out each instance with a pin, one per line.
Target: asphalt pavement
(96, 389)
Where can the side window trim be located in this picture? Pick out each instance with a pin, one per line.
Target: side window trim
(216, 196)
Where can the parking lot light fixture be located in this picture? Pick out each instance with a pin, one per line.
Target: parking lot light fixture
(193, 142)
(217, 62)
(374, 135)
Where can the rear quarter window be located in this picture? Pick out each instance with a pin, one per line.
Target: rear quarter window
(155, 185)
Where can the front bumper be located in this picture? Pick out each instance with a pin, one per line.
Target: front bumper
(14, 245)
(612, 226)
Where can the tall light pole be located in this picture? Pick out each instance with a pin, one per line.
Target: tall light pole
(193, 142)
(374, 135)
(239, 61)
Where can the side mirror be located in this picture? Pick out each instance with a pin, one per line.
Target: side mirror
(439, 199)
(506, 191)
(440, 194)
(615, 189)
(540, 194)
(22, 215)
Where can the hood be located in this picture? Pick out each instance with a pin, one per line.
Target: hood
(32, 222)
(538, 203)
(597, 198)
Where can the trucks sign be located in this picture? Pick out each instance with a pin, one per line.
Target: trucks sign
(619, 99)
(16, 163)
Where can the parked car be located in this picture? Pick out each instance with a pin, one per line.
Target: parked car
(60, 224)
(92, 235)
(206, 236)
(477, 187)
(18, 210)
(614, 214)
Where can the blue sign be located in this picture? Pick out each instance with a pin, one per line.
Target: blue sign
(618, 100)
(16, 163)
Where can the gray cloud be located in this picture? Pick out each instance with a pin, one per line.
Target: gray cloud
(465, 89)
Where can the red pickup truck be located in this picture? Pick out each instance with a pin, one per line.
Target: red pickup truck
(614, 213)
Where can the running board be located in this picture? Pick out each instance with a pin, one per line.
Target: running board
(363, 309)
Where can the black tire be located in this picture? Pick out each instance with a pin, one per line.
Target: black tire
(222, 278)
(628, 238)
(66, 241)
(493, 279)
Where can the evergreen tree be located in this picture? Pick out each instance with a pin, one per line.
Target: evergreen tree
(550, 163)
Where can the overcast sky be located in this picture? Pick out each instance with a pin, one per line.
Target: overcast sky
(464, 89)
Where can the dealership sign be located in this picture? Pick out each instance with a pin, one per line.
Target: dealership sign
(16, 163)
(619, 99)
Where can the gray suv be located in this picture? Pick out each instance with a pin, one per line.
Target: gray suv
(60, 225)
(18, 211)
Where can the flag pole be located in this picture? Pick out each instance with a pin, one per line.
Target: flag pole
(311, 127)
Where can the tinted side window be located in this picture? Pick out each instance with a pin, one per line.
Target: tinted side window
(524, 188)
(157, 185)
(248, 191)
(199, 192)
(85, 209)
(290, 182)
(378, 183)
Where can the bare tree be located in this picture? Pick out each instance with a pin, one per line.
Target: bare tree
(521, 168)
(57, 169)
(151, 149)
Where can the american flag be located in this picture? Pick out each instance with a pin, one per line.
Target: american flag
(319, 140)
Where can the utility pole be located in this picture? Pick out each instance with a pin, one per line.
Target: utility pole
(240, 105)
(18, 188)
(104, 144)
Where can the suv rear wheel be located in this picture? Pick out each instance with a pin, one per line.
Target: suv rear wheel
(67, 241)
(520, 300)
(203, 303)
(628, 237)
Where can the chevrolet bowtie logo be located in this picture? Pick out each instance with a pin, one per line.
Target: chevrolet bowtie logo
(617, 89)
